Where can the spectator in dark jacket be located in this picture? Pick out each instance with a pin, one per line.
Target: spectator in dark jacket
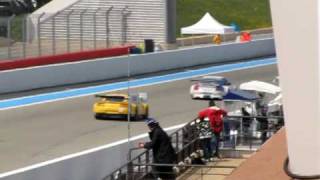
(246, 121)
(263, 120)
(163, 152)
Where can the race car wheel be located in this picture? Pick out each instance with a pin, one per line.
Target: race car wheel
(135, 116)
(98, 116)
(146, 116)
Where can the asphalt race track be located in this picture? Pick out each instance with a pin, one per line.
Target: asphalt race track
(41, 132)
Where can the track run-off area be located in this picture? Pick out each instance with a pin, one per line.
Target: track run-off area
(41, 127)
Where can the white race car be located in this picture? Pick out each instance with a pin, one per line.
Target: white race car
(209, 88)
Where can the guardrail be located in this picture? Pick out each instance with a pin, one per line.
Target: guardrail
(186, 142)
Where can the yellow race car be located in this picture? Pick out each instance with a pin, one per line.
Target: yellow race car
(116, 106)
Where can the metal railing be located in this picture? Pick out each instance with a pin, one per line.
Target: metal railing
(182, 144)
(186, 142)
(62, 32)
(73, 30)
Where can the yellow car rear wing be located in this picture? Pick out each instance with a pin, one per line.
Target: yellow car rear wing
(109, 96)
(133, 96)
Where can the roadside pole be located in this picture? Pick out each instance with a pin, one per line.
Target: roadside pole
(129, 100)
(129, 110)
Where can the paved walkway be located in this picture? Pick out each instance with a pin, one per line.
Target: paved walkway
(216, 173)
(267, 163)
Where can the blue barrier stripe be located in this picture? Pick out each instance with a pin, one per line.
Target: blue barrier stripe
(60, 95)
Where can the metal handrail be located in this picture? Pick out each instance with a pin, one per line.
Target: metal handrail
(186, 165)
(130, 161)
(183, 150)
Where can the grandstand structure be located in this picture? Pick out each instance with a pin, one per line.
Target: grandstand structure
(110, 21)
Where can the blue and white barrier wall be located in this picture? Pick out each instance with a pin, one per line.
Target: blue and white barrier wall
(117, 67)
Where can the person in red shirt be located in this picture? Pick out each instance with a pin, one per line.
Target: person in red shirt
(215, 115)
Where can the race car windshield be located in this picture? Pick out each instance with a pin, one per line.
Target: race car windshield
(209, 84)
(115, 98)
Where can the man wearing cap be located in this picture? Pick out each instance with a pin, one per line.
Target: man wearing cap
(163, 152)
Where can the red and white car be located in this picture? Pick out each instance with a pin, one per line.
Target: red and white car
(209, 88)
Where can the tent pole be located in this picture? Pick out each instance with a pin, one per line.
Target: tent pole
(182, 40)
(212, 39)
(192, 39)
(222, 37)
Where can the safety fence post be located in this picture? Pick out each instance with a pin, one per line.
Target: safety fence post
(107, 26)
(54, 32)
(68, 30)
(9, 23)
(124, 15)
(81, 28)
(24, 39)
(39, 33)
(95, 28)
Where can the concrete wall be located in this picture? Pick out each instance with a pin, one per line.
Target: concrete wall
(87, 166)
(207, 39)
(101, 69)
(93, 164)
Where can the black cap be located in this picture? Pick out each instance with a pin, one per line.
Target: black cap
(151, 122)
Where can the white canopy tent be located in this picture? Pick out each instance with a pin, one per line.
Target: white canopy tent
(264, 87)
(207, 25)
(260, 87)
